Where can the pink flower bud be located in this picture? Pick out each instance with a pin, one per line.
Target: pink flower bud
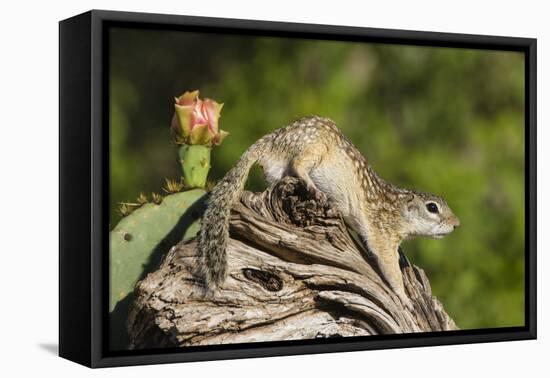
(196, 121)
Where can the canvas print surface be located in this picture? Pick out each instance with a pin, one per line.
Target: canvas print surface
(268, 189)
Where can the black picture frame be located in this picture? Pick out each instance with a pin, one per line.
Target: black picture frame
(84, 189)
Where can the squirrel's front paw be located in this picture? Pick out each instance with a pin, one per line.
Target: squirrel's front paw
(405, 300)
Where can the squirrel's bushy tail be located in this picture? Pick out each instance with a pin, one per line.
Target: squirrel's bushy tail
(214, 232)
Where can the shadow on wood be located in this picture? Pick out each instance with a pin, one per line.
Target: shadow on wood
(295, 272)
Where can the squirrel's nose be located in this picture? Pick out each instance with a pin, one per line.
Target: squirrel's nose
(455, 222)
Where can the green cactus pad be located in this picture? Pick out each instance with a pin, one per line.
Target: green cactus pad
(140, 239)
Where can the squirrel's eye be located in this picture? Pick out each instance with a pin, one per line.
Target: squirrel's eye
(432, 207)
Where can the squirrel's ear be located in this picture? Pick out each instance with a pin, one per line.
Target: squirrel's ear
(410, 202)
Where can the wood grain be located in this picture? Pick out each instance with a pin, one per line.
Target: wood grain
(295, 272)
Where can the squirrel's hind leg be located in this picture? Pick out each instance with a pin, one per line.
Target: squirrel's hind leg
(300, 167)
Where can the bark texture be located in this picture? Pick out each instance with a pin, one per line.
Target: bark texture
(295, 272)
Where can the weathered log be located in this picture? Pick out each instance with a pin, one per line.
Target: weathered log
(295, 272)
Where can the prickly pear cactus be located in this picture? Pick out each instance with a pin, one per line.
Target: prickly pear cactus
(140, 239)
(145, 234)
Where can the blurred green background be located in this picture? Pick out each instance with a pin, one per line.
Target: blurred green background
(441, 120)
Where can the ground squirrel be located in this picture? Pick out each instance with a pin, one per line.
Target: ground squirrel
(315, 151)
